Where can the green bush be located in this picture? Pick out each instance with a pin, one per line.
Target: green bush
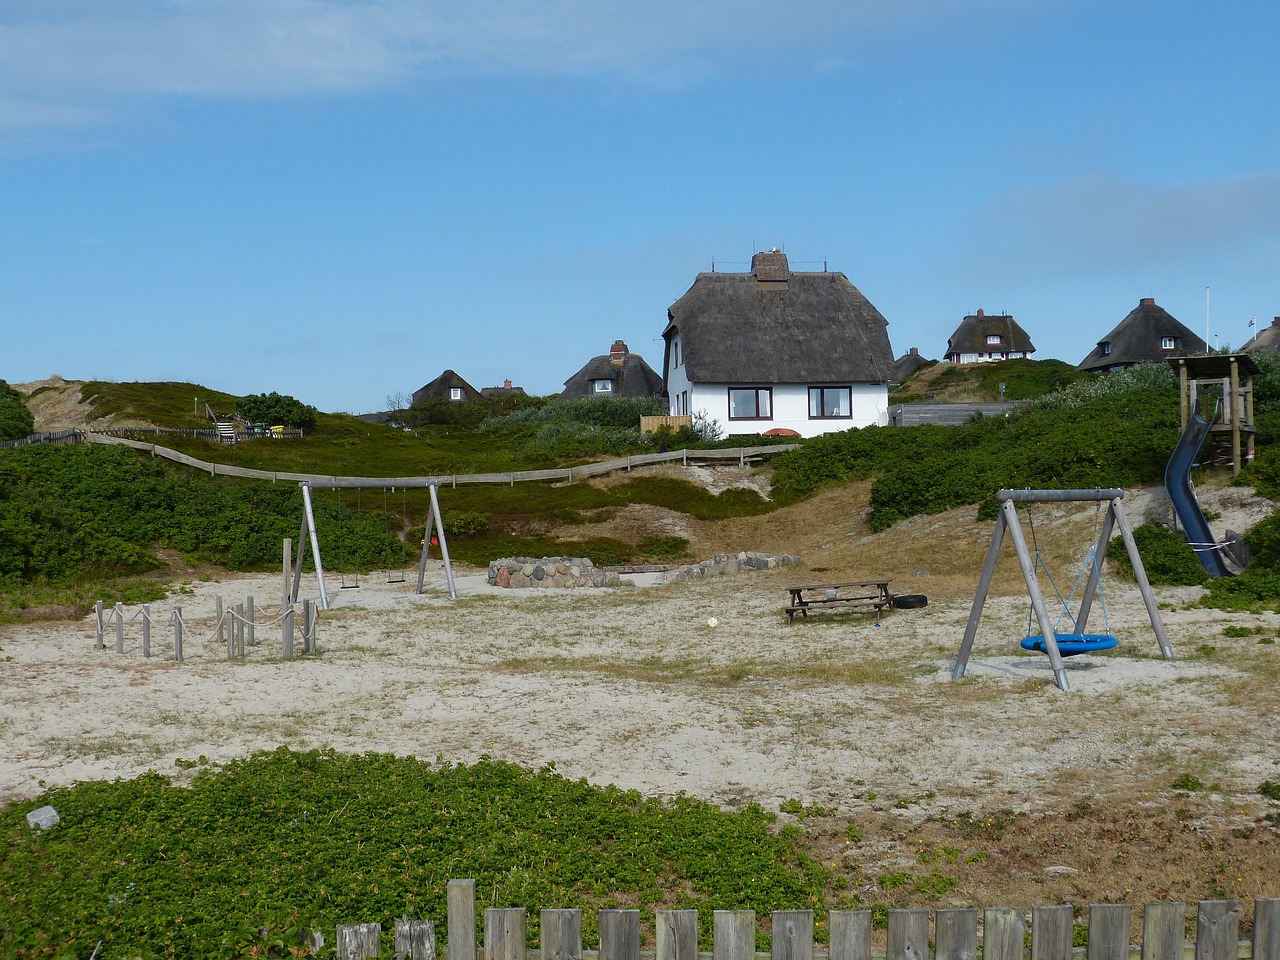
(16, 421)
(275, 409)
(1166, 557)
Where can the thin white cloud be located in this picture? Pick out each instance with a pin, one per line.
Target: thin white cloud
(82, 55)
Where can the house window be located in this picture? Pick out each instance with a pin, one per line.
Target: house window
(1106, 347)
(826, 403)
(682, 403)
(1168, 343)
(602, 386)
(750, 403)
(675, 352)
(455, 393)
(993, 338)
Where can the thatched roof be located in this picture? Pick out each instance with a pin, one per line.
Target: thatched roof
(777, 326)
(1138, 339)
(441, 385)
(907, 364)
(630, 376)
(971, 336)
(1266, 340)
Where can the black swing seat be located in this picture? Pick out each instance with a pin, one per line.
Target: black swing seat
(1072, 644)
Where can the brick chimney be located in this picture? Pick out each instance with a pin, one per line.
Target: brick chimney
(1276, 322)
(506, 384)
(980, 314)
(618, 351)
(771, 266)
(914, 352)
(1147, 302)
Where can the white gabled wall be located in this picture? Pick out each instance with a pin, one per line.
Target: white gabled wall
(790, 406)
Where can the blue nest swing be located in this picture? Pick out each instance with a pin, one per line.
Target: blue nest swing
(1074, 643)
(1071, 644)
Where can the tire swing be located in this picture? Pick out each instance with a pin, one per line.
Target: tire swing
(1074, 642)
(1055, 644)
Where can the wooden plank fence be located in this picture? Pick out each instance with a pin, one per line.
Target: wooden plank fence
(1002, 934)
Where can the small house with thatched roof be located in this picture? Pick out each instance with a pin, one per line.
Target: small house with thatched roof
(618, 373)
(1149, 334)
(1266, 340)
(988, 339)
(907, 364)
(447, 386)
(778, 351)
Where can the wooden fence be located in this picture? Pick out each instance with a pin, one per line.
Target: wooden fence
(956, 934)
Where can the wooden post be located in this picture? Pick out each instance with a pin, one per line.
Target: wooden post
(1217, 929)
(288, 573)
(119, 616)
(793, 934)
(620, 935)
(97, 610)
(415, 940)
(358, 941)
(908, 935)
(146, 630)
(1108, 931)
(177, 633)
(460, 900)
(561, 934)
(1266, 929)
(217, 613)
(286, 630)
(957, 934)
(248, 614)
(1051, 929)
(733, 935)
(239, 625)
(1003, 931)
(1162, 931)
(676, 934)
(504, 933)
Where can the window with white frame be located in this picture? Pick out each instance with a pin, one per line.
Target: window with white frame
(993, 339)
(1168, 343)
(602, 386)
(675, 352)
(455, 393)
(750, 403)
(830, 403)
(1106, 347)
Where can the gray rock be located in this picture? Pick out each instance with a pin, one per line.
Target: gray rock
(46, 818)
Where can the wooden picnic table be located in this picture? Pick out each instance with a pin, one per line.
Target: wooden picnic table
(854, 594)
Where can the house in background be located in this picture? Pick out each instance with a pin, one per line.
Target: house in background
(1266, 340)
(618, 373)
(777, 351)
(506, 390)
(907, 364)
(447, 386)
(984, 339)
(1149, 334)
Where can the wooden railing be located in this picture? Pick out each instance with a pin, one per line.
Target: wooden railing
(956, 934)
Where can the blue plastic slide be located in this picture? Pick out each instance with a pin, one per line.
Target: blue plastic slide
(1177, 481)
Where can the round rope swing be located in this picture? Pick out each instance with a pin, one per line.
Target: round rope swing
(1072, 643)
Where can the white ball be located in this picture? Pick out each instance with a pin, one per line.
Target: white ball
(712, 622)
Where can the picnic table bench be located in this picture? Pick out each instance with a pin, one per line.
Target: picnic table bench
(856, 594)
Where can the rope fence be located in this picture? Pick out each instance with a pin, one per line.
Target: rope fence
(235, 628)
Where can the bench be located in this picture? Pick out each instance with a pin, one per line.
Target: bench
(854, 595)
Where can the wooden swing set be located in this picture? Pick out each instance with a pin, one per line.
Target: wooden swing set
(1058, 644)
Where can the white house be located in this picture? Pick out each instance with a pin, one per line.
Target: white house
(987, 339)
(776, 351)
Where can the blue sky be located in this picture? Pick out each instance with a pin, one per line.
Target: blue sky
(339, 200)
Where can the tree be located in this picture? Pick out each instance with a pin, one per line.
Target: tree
(16, 421)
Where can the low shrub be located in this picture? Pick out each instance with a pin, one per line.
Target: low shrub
(1166, 557)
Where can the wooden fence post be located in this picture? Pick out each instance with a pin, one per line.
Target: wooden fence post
(177, 633)
(358, 941)
(850, 935)
(793, 935)
(119, 615)
(97, 609)
(286, 630)
(620, 934)
(908, 935)
(217, 613)
(733, 935)
(249, 621)
(1108, 931)
(460, 900)
(146, 630)
(1162, 931)
(504, 933)
(1003, 931)
(956, 932)
(1266, 929)
(308, 626)
(1217, 929)
(676, 934)
(561, 934)
(415, 940)
(1051, 930)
